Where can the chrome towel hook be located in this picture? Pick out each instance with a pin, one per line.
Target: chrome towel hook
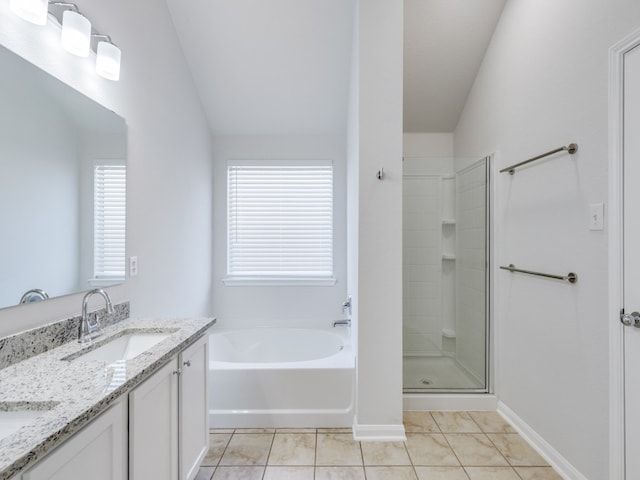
(380, 174)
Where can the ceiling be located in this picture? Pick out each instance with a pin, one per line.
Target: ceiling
(272, 67)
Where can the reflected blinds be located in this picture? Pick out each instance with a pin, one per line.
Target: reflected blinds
(109, 221)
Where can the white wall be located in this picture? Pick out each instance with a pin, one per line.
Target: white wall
(427, 145)
(302, 306)
(169, 165)
(543, 84)
(379, 296)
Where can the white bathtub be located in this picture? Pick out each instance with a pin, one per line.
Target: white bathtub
(281, 377)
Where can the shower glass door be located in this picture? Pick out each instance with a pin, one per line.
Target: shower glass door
(445, 285)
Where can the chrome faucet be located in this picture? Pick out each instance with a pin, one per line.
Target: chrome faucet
(346, 305)
(87, 329)
(346, 322)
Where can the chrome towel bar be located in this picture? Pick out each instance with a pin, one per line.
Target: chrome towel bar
(570, 277)
(571, 148)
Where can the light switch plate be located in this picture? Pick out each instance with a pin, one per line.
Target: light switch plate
(133, 266)
(596, 216)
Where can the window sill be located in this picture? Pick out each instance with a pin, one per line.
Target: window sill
(279, 281)
(105, 282)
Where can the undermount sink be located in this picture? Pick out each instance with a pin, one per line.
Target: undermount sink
(15, 416)
(121, 347)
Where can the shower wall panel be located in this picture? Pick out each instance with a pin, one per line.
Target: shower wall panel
(422, 289)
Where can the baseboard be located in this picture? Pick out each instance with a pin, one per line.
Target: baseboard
(379, 433)
(550, 454)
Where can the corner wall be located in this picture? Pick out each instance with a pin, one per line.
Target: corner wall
(543, 84)
(379, 295)
(169, 214)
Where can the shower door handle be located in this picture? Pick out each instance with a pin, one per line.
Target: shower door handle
(630, 319)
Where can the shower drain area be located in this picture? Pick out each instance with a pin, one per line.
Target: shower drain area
(436, 373)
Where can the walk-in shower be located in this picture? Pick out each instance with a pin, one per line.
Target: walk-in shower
(445, 285)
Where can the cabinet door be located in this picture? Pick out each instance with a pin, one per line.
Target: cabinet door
(193, 416)
(153, 426)
(98, 451)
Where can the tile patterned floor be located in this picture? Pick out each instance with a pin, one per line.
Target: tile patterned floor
(439, 446)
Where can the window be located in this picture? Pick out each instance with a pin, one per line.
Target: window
(109, 222)
(280, 222)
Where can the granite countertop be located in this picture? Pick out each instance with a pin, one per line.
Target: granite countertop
(70, 394)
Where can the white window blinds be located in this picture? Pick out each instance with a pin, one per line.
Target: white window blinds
(109, 222)
(280, 219)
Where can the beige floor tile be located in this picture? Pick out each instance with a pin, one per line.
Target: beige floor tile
(238, 473)
(337, 449)
(455, 422)
(295, 430)
(430, 449)
(385, 453)
(516, 450)
(419, 422)
(335, 430)
(247, 449)
(340, 473)
(289, 473)
(390, 473)
(217, 443)
(475, 449)
(293, 449)
(441, 473)
(537, 473)
(492, 422)
(491, 473)
(205, 473)
(255, 430)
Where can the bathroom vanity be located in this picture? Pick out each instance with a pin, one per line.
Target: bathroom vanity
(132, 404)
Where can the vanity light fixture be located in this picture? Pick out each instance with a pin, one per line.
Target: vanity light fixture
(107, 58)
(34, 11)
(76, 33)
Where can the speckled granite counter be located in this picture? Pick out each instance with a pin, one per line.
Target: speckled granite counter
(77, 391)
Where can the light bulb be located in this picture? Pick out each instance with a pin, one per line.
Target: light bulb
(108, 61)
(34, 11)
(76, 33)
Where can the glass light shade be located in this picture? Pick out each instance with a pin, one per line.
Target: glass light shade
(34, 11)
(76, 33)
(108, 61)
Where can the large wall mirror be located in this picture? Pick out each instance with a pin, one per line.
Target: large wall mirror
(62, 187)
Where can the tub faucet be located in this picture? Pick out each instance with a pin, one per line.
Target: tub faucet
(88, 330)
(346, 322)
(346, 306)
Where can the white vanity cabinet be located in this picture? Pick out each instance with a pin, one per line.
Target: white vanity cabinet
(98, 451)
(168, 421)
(193, 415)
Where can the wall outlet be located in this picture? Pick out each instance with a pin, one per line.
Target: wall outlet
(133, 266)
(596, 216)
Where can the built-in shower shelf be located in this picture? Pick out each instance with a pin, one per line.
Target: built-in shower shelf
(448, 256)
(448, 221)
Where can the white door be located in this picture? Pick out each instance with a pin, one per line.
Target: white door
(153, 426)
(631, 264)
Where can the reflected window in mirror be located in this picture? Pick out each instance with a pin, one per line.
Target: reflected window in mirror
(109, 222)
